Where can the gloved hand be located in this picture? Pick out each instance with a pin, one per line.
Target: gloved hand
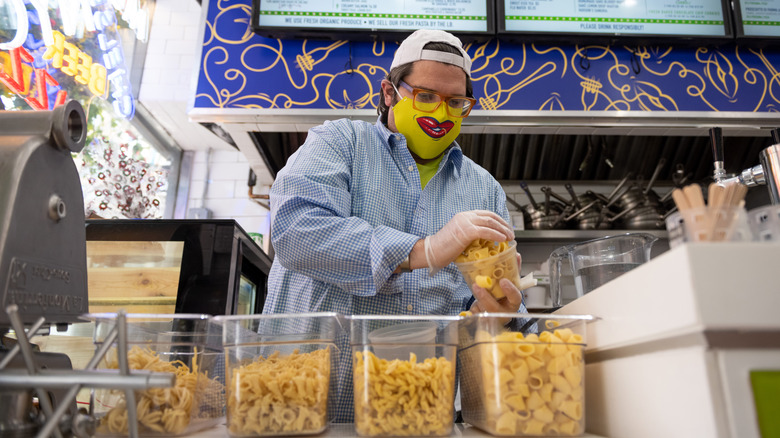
(443, 247)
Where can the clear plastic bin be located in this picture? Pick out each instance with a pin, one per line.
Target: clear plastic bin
(765, 223)
(523, 376)
(489, 270)
(728, 224)
(167, 343)
(282, 372)
(397, 392)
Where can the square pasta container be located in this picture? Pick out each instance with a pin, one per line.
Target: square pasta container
(523, 375)
(486, 263)
(282, 372)
(403, 374)
(180, 344)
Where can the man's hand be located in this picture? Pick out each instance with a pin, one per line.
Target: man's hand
(442, 248)
(486, 302)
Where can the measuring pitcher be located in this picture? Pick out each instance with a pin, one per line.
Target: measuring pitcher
(597, 261)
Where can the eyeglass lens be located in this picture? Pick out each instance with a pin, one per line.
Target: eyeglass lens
(428, 101)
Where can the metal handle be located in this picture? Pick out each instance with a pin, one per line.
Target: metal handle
(661, 164)
(546, 192)
(524, 186)
(574, 199)
(557, 196)
(716, 137)
(620, 185)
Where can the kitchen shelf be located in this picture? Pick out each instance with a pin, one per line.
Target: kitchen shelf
(578, 235)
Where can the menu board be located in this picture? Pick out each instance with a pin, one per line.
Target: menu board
(758, 18)
(616, 17)
(469, 16)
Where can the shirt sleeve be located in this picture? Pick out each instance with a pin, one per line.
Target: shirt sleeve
(312, 229)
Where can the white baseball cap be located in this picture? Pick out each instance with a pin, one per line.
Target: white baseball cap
(411, 50)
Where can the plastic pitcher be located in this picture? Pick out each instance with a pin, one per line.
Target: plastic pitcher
(595, 262)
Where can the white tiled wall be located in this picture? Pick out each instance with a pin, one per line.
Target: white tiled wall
(219, 183)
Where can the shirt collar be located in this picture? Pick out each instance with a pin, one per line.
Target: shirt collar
(387, 135)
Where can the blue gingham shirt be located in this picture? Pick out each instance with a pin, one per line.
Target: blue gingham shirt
(345, 212)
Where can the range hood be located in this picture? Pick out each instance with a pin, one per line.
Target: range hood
(537, 145)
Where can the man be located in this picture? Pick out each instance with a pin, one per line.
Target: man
(360, 210)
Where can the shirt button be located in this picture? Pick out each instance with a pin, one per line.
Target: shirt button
(409, 307)
(411, 168)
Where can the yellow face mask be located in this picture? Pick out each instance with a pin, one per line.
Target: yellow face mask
(427, 134)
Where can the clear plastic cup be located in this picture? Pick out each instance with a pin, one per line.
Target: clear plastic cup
(492, 269)
(399, 340)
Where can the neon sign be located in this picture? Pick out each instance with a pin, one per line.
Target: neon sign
(16, 81)
(77, 16)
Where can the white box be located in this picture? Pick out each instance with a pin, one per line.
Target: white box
(676, 338)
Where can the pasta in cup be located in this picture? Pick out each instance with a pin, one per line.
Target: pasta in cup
(179, 344)
(282, 371)
(524, 382)
(485, 263)
(397, 395)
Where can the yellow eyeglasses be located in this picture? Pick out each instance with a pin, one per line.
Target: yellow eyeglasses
(428, 101)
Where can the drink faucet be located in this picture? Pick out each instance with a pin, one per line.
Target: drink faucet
(768, 172)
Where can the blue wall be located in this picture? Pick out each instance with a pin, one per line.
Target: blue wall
(240, 69)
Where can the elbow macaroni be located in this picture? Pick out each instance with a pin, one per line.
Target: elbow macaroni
(525, 385)
(485, 263)
(403, 398)
(280, 395)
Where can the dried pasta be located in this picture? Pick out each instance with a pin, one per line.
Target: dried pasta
(280, 395)
(525, 385)
(403, 398)
(163, 410)
(486, 270)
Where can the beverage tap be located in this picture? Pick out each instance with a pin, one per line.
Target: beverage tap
(767, 173)
(716, 137)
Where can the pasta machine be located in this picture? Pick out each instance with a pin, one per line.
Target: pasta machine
(43, 277)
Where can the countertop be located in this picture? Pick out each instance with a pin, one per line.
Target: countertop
(343, 430)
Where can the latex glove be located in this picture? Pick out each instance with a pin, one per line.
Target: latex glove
(442, 248)
(486, 302)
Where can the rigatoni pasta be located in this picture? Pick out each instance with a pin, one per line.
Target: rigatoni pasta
(403, 398)
(280, 395)
(521, 385)
(485, 263)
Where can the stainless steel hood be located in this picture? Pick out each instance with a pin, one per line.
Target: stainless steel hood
(537, 145)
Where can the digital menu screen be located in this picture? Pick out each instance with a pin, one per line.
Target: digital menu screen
(616, 17)
(289, 16)
(758, 18)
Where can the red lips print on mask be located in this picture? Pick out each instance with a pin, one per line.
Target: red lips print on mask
(433, 128)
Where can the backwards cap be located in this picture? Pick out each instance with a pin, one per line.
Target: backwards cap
(411, 50)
